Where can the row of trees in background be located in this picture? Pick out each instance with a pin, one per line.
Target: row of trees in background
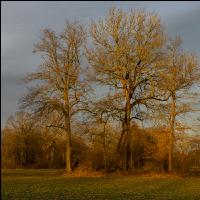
(26, 143)
(146, 76)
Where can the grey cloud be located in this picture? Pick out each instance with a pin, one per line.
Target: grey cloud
(23, 21)
(186, 25)
(11, 91)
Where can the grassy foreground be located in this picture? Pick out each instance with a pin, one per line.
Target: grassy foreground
(51, 185)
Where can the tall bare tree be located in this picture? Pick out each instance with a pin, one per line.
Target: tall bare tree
(179, 74)
(126, 54)
(60, 88)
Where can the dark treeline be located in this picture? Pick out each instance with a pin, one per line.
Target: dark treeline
(134, 126)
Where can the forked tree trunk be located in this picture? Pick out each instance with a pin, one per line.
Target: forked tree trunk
(124, 144)
(120, 149)
(127, 130)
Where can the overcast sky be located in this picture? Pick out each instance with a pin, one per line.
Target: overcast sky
(21, 24)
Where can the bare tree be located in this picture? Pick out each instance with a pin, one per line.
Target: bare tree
(60, 88)
(21, 140)
(126, 54)
(179, 74)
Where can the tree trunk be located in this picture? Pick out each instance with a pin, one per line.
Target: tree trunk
(104, 146)
(125, 139)
(121, 144)
(105, 159)
(26, 153)
(128, 132)
(68, 144)
(171, 136)
(68, 128)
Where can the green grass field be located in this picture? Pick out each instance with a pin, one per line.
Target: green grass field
(51, 184)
